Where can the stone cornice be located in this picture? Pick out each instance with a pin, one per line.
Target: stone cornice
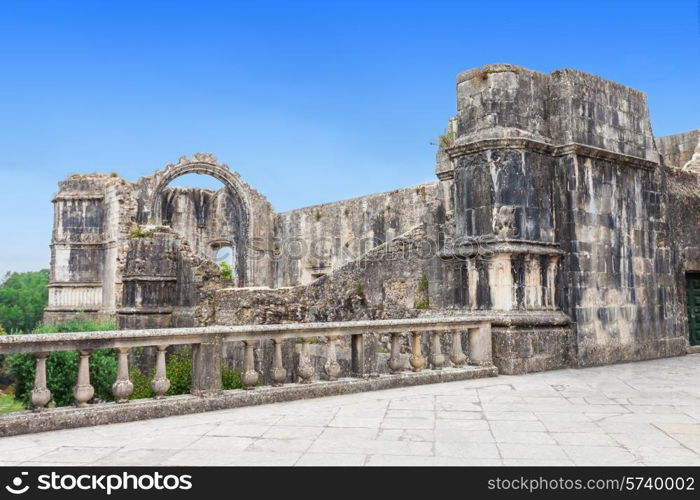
(488, 247)
(144, 310)
(543, 147)
(73, 309)
(149, 278)
(77, 196)
(78, 244)
(73, 284)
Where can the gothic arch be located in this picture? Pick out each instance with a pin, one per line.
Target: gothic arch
(207, 164)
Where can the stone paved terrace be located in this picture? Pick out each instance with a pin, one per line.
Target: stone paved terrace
(645, 413)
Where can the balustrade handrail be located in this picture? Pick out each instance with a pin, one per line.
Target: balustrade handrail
(29, 343)
(207, 350)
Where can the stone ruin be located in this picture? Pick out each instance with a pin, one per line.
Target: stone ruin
(556, 213)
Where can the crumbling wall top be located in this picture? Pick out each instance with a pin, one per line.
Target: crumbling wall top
(566, 107)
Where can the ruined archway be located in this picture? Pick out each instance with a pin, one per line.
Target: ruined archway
(206, 164)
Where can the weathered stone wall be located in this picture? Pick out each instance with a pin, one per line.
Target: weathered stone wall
(622, 295)
(314, 241)
(678, 149)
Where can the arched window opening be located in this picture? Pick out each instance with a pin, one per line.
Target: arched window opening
(225, 260)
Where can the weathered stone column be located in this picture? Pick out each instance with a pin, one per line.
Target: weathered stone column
(457, 356)
(358, 355)
(417, 360)
(40, 395)
(332, 367)
(160, 383)
(249, 376)
(480, 345)
(305, 370)
(123, 387)
(83, 391)
(394, 362)
(279, 374)
(437, 359)
(206, 367)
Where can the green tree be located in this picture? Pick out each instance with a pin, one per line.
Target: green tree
(23, 297)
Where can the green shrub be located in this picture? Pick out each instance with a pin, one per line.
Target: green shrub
(226, 271)
(138, 232)
(62, 366)
(179, 371)
(230, 379)
(142, 384)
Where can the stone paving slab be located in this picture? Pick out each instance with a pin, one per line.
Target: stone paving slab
(645, 413)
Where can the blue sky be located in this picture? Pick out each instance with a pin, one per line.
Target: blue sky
(310, 101)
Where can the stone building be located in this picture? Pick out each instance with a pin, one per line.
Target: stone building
(555, 212)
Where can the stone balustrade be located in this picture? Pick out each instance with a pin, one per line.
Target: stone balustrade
(207, 345)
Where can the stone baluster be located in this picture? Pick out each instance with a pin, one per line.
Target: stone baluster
(40, 395)
(305, 370)
(332, 367)
(83, 391)
(122, 387)
(160, 383)
(249, 377)
(279, 374)
(417, 360)
(437, 359)
(394, 361)
(457, 356)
